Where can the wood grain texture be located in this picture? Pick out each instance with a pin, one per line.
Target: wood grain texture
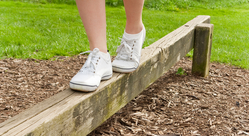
(202, 49)
(77, 113)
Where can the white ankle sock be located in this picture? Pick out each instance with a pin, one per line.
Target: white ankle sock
(133, 36)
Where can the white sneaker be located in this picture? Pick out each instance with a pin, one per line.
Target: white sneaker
(96, 68)
(128, 54)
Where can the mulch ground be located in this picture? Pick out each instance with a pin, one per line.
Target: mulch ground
(173, 105)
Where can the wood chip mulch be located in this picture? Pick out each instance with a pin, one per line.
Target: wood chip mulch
(173, 105)
(187, 105)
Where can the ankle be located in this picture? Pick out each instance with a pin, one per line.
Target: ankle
(133, 29)
(101, 49)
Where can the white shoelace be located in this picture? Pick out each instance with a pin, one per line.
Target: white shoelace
(124, 50)
(91, 62)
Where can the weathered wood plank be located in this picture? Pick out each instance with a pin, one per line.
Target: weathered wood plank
(202, 49)
(76, 113)
(32, 112)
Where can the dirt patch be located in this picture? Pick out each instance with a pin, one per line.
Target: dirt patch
(174, 104)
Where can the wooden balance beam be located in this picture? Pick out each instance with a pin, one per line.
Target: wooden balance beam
(77, 113)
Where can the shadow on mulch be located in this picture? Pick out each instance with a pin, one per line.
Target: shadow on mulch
(174, 104)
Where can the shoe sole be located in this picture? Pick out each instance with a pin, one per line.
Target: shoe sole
(85, 87)
(106, 77)
(123, 70)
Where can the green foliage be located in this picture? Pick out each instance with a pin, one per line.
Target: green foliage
(160, 5)
(69, 2)
(114, 3)
(171, 5)
(181, 72)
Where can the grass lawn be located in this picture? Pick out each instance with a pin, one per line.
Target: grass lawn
(42, 31)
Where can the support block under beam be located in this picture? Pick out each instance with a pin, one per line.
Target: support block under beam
(202, 49)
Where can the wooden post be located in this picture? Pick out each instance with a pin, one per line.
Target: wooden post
(202, 49)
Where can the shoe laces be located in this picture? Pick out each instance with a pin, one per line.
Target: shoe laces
(125, 50)
(91, 62)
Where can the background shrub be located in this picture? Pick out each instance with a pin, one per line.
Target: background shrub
(173, 5)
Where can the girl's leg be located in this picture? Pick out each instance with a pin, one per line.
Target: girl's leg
(133, 9)
(98, 64)
(129, 52)
(92, 13)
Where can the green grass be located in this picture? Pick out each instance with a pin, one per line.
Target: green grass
(231, 35)
(38, 31)
(42, 31)
(176, 5)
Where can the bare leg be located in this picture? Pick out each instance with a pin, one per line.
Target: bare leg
(92, 13)
(133, 9)
(129, 52)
